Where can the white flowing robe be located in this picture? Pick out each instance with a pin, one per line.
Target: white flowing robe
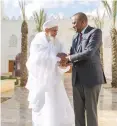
(47, 96)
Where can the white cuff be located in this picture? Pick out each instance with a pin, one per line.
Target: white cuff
(69, 58)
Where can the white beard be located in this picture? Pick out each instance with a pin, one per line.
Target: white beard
(52, 39)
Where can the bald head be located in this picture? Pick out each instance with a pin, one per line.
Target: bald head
(79, 21)
(81, 16)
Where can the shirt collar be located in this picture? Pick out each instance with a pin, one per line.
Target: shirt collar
(84, 29)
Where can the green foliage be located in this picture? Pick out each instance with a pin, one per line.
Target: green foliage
(22, 5)
(39, 19)
(99, 21)
(7, 77)
(111, 11)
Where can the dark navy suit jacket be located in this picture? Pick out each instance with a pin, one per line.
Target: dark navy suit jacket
(85, 57)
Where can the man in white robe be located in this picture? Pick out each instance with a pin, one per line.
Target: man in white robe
(47, 96)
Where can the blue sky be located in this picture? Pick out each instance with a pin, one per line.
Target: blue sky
(71, 9)
(64, 7)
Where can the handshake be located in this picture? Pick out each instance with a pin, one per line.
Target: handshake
(64, 60)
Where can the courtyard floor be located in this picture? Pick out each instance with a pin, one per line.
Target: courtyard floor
(15, 112)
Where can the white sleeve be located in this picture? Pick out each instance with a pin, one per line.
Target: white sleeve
(42, 68)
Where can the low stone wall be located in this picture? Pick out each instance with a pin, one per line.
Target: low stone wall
(7, 85)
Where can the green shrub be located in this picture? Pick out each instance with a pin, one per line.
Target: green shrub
(7, 77)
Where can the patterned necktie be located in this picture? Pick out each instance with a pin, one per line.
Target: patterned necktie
(80, 36)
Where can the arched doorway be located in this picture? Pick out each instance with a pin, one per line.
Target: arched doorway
(17, 65)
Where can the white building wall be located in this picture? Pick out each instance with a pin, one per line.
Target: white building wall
(13, 27)
(9, 28)
(65, 34)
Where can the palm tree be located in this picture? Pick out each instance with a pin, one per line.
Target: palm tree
(112, 13)
(99, 22)
(39, 19)
(24, 40)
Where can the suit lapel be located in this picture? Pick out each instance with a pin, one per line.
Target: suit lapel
(85, 36)
(77, 46)
(88, 29)
(75, 40)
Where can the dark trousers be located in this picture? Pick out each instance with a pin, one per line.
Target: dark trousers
(86, 99)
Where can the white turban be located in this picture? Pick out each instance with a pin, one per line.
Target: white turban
(50, 24)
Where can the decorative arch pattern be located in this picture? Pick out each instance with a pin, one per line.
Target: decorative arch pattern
(13, 41)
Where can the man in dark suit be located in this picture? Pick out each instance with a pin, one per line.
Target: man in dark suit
(87, 72)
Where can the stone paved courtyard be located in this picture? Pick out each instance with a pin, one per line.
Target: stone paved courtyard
(16, 113)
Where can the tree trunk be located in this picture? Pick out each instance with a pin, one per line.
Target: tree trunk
(114, 57)
(24, 30)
